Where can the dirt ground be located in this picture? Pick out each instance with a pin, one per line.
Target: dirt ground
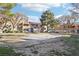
(39, 44)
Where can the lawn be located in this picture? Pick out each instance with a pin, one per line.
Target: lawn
(5, 51)
(73, 43)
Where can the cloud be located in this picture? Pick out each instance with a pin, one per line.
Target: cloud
(57, 4)
(69, 8)
(39, 6)
(34, 19)
(36, 7)
(58, 16)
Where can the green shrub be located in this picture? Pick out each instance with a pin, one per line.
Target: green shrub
(7, 31)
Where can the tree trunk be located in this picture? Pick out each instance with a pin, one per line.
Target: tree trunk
(47, 28)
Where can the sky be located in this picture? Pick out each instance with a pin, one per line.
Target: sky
(35, 10)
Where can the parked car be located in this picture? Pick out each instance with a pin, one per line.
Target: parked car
(51, 31)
